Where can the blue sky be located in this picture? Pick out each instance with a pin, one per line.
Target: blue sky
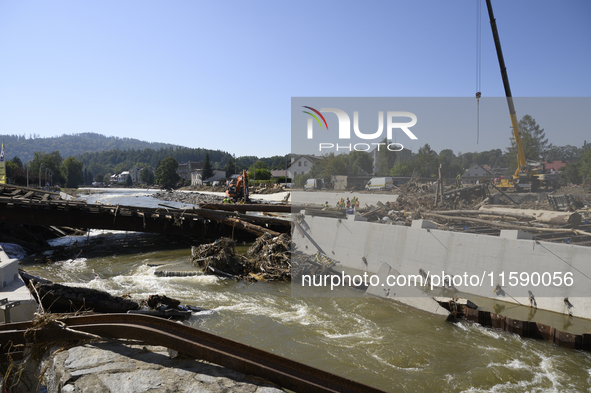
(221, 74)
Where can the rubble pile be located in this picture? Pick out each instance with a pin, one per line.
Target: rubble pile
(268, 188)
(219, 257)
(270, 257)
(193, 198)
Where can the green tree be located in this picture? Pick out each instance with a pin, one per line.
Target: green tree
(426, 162)
(359, 162)
(326, 167)
(128, 181)
(43, 163)
(585, 163)
(147, 176)
(386, 159)
(533, 139)
(166, 175)
(72, 170)
(12, 171)
(207, 170)
(229, 167)
(99, 178)
(564, 153)
(572, 173)
(17, 161)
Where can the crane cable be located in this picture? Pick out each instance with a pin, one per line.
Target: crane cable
(478, 65)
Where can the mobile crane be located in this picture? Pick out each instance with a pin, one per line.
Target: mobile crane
(529, 175)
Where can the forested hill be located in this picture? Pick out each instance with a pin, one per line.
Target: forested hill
(72, 145)
(117, 161)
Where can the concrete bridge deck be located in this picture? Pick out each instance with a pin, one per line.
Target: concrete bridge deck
(26, 206)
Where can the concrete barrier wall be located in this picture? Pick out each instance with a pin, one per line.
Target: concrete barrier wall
(365, 246)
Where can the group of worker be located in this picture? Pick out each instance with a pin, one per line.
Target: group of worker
(345, 204)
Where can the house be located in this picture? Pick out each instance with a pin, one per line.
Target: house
(135, 174)
(196, 179)
(475, 173)
(119, 178)
(278, 173)
(554, 166)
(301, 164)
(184, 170)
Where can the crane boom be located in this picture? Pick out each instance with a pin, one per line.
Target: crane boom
(521, 161)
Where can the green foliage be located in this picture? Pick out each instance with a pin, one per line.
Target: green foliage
(12, 171)
(128, 181)
(229, 167)
(45, 163)
(147, 176)
(360, 162)
(533, 139)
(585, 162)
(166, 175)
(386, 159)
(17, 161)
(564, 153)
(261, 174)
(75, 144)
(207, 170)
(300, 180)
(99, 178)
(330, 165)
(72, 171)
(572, 173)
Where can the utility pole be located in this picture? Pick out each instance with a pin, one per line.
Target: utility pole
(40, 166)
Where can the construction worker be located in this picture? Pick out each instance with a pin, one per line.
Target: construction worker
(348, 203)
(458, 181)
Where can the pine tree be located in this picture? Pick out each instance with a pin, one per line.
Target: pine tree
(207, 170)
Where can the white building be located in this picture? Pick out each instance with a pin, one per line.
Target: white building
(300, 165)
(196, 179)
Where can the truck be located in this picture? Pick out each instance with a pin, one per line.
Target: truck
(314, 184)
(380, 184)
(529, 175)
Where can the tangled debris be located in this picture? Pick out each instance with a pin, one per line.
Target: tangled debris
(268, 259)
(219, 257)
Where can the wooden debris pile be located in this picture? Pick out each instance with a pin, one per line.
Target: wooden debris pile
(219, 257)
(311, 265)
(270, 258)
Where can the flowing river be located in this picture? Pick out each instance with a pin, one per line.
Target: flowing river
(366, 339)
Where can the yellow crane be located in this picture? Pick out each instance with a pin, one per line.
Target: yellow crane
(529, 175)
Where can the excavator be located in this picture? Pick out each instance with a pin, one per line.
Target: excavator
(238, 188)
(529, 175)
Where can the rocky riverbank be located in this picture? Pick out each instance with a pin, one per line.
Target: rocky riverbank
(117, 367)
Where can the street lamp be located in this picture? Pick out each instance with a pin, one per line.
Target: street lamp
(40, 166)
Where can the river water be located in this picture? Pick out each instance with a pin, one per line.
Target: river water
(366, 339)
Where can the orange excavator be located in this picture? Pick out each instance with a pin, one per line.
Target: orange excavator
(238, 188)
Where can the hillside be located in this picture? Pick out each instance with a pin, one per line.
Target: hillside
(73, 145)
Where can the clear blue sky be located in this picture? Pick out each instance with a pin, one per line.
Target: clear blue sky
(221, 74)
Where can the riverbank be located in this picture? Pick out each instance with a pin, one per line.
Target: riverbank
(125, 367)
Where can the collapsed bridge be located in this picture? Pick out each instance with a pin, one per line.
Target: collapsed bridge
(20, 205)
